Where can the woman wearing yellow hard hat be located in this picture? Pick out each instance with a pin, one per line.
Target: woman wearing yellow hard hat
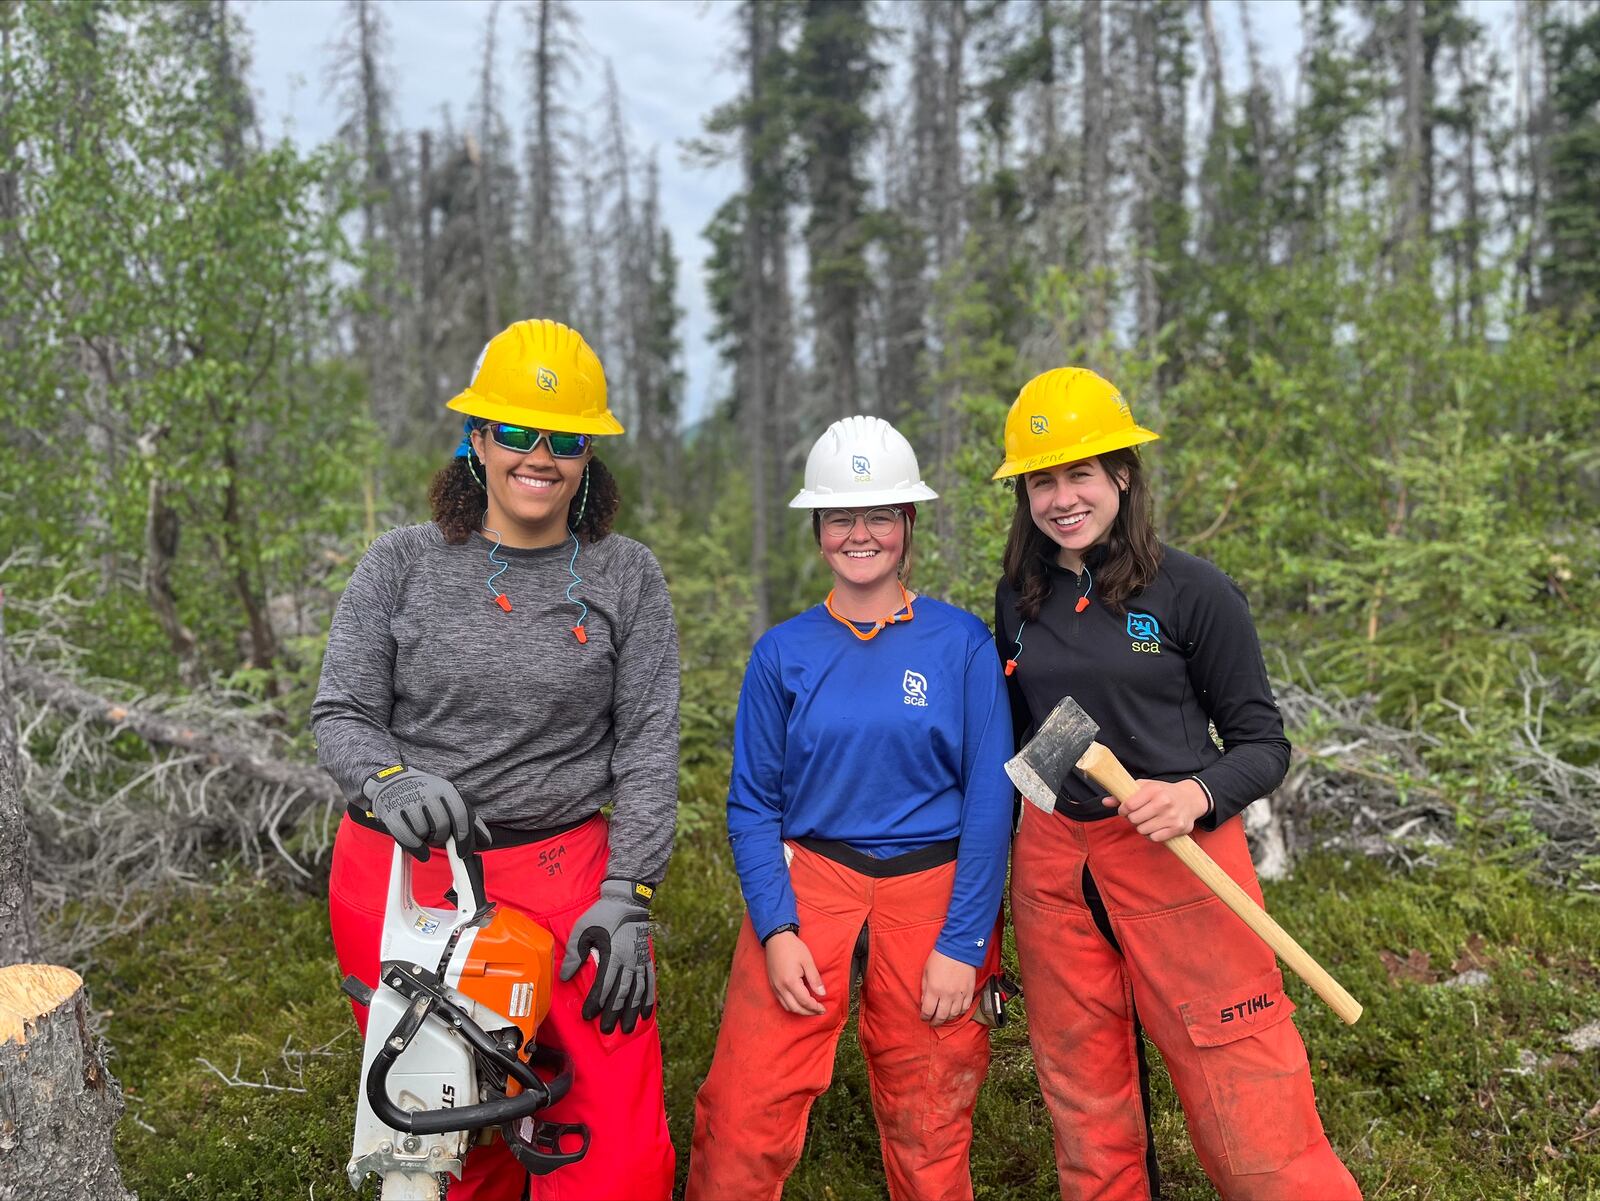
(1114, 935)
(512, 666)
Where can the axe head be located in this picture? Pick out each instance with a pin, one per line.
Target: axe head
(1040, 768)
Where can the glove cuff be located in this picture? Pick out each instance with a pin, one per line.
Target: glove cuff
(635, 892)
(374, 784)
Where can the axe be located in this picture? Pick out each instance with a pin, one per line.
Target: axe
(1066, 741)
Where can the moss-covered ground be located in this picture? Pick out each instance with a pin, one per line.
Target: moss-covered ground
(1438, 1093)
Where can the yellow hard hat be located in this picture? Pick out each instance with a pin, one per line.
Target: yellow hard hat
(540, 374)
(1065, 415)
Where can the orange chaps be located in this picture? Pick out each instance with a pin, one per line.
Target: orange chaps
(1203, 987)
(770, 1065)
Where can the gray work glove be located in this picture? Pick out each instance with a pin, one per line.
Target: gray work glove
(617, 928)
(420, 810)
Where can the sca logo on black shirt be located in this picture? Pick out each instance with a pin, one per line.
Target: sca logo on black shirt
(1145, 632)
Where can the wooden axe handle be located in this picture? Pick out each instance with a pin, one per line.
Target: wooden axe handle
(1101, 766)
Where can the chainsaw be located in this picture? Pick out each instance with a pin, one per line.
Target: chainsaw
(450, 1055)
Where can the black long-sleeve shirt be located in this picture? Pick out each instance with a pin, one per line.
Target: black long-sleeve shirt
(1183, 657)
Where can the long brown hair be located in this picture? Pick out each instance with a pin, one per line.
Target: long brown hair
(459, 501)
(1133, 552)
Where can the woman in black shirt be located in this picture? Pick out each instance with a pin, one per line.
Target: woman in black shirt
(1114, 935)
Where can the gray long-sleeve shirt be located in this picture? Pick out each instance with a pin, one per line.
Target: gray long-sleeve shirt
(534, 728)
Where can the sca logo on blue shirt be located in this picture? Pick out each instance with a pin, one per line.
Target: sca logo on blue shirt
(862, 468)
(1145, 632)
(916, 689)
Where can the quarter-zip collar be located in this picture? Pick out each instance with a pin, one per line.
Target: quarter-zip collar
(1093, 559)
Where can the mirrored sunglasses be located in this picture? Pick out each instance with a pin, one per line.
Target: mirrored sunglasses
(522, 439)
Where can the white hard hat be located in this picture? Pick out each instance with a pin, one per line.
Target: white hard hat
(861, 461)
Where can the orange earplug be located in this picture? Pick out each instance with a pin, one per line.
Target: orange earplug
(503, 601)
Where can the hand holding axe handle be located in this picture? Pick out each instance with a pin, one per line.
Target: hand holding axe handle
(1066, 741)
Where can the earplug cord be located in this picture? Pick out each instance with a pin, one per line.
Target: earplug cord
(1082, 604)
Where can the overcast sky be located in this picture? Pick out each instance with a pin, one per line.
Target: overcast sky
(674, 64)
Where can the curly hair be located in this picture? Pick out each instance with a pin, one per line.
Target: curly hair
(458, 501)
(1133, 552)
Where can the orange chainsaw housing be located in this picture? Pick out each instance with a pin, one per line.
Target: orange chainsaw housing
(510, 968)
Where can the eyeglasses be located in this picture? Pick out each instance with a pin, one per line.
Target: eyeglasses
(522, 440)
(841, 523)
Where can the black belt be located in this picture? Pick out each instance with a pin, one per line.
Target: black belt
(935, 854)
(500, 836)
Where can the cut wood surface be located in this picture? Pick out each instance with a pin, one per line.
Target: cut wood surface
(58, 1104)
(28, 991)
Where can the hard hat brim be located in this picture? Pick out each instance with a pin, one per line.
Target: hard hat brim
(1071, 454)
(475, 404)
(912, 494)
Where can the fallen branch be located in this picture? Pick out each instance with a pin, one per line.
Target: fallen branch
(63, 695)
(1363, 785)
(209, 782)
(236, 1081)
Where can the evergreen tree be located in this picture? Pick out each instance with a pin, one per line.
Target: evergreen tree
(834, 75)
(1571, 265)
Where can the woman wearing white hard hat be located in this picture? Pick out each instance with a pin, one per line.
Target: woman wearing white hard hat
(869, 814)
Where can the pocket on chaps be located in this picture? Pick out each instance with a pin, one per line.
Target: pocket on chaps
(1256, 1071)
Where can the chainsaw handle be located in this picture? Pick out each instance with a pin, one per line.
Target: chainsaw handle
(536, 1093)
(439, 1121)
(466, 875)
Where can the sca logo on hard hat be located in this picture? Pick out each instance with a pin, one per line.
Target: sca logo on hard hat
(546, 379)
(916, 689)
(862, 468)
(1039, 424)
(1145, 632)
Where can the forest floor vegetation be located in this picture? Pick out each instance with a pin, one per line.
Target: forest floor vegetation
(1463, 1079)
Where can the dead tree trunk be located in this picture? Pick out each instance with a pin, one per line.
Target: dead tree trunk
(1413, 164)
(58, 1104)
(248, 759)
(949, 229)
(19, 936)
(1092, 184)
(485, 163)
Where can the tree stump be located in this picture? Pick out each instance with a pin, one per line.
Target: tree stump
(58, 1104)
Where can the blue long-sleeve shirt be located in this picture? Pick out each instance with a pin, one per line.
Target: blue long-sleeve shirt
(887, 745)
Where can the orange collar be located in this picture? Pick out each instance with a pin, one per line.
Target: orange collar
(905, 614)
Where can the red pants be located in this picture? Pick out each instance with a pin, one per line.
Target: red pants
(616, 1087)
(770, 1065)
(1206, 990)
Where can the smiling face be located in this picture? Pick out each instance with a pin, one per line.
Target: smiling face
(529, 493)
(868, 554)
(1075, 505)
